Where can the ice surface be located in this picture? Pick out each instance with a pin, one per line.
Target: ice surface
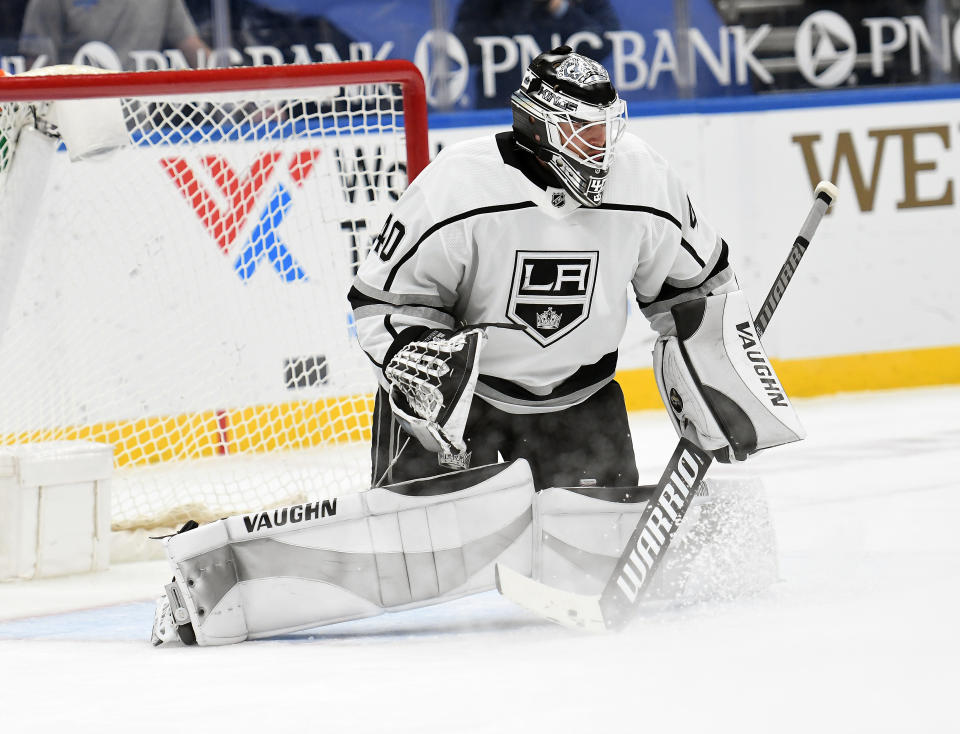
(860, 635)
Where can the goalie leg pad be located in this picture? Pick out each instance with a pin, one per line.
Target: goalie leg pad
(724, 548)
(581, 532)
(717, 382)
(386, 549)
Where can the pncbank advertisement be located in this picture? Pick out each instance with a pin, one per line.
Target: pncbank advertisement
(471, 52)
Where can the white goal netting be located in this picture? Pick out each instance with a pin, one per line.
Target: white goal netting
(173, 279)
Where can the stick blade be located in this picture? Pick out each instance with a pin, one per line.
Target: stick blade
(576, 611)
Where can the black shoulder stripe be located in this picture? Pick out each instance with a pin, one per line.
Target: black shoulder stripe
(646, 209)
(669, 291)
(450, 220)
(693, 253)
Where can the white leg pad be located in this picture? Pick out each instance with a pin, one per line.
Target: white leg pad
(724, 547)
(386, 549)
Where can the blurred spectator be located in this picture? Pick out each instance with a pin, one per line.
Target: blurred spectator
(541, 19)
(258, 23)
(266, 27)
(57, 29)
(11, 19)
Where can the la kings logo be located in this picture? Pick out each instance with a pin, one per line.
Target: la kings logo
(551, 293)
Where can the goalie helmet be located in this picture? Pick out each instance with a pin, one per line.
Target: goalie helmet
(568, 114)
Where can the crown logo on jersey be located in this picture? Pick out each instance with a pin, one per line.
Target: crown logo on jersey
(548, 319)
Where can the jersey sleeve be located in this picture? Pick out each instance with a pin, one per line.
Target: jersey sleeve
(688, 259)
(409, 281)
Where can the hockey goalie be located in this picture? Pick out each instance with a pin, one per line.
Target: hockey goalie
(491, 305)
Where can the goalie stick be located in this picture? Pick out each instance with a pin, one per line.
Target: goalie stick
(641, 557)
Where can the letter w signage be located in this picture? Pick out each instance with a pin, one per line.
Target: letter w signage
(865, 173)
(245, 219)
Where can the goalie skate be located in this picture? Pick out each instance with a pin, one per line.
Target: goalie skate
(171, 622)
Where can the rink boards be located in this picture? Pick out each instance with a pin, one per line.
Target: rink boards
(872, 306)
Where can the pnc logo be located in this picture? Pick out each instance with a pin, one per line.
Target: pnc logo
(245, 210)
(443, 61)
(825, 49)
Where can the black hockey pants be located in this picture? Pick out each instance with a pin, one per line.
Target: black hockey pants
(587, 441)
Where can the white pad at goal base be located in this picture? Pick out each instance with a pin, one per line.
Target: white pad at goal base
(89, 128)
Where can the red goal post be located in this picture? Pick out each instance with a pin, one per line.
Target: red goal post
(238, 79)
(175, 253)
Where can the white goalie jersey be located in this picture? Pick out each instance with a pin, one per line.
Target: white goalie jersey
(482, 237)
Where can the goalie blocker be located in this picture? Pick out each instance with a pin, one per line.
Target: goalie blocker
(717, 383)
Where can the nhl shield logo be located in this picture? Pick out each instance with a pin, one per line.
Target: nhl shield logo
(551, 292)
(558, 199)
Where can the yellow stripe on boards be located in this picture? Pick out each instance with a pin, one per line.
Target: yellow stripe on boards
(309, 424)
(803, 378)
(298, 425)
(639, 389)
(873, 371)
(251, 430)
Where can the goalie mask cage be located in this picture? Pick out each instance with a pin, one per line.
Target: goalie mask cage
(175, 254)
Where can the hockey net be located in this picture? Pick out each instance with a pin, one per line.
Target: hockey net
(175, 254)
